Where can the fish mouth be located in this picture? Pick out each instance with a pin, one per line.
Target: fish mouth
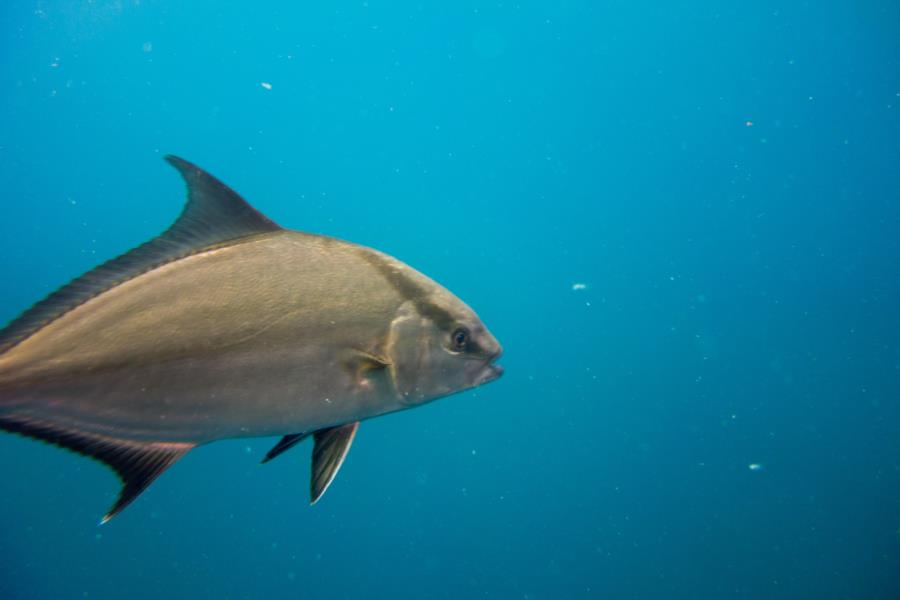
(491, 371)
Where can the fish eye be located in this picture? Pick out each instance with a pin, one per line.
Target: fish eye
(459, 339)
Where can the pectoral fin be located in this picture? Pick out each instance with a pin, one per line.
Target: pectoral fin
(330, 450)
(362, 364)
(137, 464)
(365, 369)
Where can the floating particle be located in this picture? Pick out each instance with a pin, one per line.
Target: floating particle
(749, 124)
(266, 85)
(756, 467)
(579, 286)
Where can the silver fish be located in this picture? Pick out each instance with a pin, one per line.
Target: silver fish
(228, 326)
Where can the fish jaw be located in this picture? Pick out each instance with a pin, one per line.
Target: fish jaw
(490, 372)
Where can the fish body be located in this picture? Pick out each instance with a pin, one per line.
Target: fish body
(230, 326)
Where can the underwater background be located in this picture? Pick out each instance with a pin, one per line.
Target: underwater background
(682, 220)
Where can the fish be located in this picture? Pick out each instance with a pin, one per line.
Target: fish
(228, 325)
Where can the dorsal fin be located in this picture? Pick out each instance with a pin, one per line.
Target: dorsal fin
(329, 451)
(284, 444)
(136, 463)
(213, 215)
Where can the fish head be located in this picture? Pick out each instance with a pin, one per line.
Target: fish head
(439, 346)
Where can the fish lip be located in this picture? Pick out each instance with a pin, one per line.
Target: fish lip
(498, 371)
(491, 372)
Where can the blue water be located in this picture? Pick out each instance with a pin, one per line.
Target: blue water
(682, 220)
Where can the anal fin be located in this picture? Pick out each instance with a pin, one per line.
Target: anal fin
(285, 444)
(330, 450)
(137, 464)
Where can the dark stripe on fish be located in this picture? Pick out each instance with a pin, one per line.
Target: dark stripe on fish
(408, 288)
